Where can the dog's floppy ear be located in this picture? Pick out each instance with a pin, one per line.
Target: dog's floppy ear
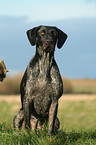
(61, 38)
(31, 34)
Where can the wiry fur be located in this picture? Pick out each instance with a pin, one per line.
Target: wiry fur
(41, 86)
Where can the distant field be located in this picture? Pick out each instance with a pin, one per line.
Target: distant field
(83, 82)
(84, 86)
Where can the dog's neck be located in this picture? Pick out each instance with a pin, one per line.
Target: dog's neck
(45, 60)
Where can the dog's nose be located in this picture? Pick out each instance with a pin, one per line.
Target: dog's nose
(48, 41)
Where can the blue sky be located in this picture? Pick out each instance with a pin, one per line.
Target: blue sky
(77, 18)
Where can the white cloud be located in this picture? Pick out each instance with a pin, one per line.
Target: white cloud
(75, 10)
(45, 11)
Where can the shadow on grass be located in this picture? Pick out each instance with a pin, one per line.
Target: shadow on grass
(9, 136)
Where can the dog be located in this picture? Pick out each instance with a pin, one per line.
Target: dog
(41, 85)
(3, 70)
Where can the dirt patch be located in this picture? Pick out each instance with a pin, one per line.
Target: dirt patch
(78, 97)
(10, 98)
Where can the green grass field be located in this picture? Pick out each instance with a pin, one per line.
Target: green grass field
(77, 118)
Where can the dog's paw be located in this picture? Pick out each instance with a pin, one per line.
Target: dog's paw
(49, 133)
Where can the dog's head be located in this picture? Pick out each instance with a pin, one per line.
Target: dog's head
(46, 36)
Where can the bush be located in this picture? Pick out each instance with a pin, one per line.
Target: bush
(67, 86)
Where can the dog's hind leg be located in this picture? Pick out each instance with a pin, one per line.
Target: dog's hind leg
(18, 120)
(56, 125)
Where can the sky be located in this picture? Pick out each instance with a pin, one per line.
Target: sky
(77, 18)
(48, 10)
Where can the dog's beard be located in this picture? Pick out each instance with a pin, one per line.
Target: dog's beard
(49, 48)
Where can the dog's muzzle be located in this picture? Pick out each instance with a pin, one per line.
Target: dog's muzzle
(49, 45)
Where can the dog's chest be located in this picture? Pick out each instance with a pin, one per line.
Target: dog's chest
(42, 93)
(45, 78)
(46, 84)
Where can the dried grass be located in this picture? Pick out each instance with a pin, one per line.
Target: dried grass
(67, 86)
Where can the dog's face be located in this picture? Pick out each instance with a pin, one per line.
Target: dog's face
(46, 37)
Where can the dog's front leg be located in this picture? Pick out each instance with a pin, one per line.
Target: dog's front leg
(52, 116)
(27, 114)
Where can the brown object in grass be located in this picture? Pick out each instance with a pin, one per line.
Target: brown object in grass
(3, 70)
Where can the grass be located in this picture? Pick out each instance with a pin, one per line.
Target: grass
(84, 90)
(77, 114)
(9, 137)
(77, 118)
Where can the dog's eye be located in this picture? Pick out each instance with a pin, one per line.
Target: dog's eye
(55, 33)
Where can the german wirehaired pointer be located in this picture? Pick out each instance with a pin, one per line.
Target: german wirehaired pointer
(41, 86)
